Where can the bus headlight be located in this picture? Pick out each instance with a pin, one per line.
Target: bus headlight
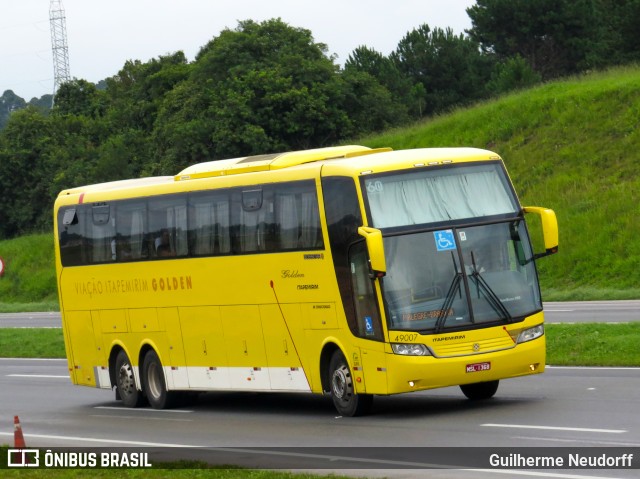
(531, 334)
(410, 349)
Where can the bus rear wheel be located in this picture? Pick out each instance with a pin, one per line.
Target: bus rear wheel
(126, 382)
(480, 391)
(154, 383)
(345, 399)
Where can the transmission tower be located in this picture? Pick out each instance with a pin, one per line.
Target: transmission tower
(59, 44)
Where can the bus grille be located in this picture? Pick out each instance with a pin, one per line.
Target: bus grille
(469, 348)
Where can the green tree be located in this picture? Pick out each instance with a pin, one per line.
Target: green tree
(392, 110)
(9, 102)
(556, 37)
(79, 97)
(512, 74)
(262, 87)
(620, 40)
(450, 67)
(370, 106)
(382, 68)
(137, 91)
(24, 172)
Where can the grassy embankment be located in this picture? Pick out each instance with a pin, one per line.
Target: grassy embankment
(572, 146)
(29, 280)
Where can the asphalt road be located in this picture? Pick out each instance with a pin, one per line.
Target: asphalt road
(573, 408)
(555, 312)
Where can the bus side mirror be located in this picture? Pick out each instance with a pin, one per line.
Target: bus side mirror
(549, 229)
(375, 247)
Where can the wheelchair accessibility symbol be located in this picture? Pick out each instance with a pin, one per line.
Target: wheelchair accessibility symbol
(368, 326)
(445, 240)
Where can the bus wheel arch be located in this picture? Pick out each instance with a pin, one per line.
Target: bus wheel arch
(123, 377)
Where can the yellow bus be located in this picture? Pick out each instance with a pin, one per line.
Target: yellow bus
(345, 271)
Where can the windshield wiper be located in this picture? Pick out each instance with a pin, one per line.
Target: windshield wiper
(490, 295)
(448, 300)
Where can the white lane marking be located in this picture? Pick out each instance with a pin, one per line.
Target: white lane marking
(111, 416)
(36, 376)
(540, 474)
(556, 428)
(104, 441)
(599, 443)
(142, 410)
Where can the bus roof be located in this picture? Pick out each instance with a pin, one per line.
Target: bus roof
(345, 160)
(272, 161)
(404, 159)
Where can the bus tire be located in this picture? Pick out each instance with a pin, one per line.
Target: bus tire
(345, 399)
(480, 391)
(154, 383)
(126, 382)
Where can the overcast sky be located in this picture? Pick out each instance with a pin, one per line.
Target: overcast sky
(103, 35)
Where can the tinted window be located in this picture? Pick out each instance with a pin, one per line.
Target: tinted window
(270, 218)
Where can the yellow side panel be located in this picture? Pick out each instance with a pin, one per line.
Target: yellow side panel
(374, 364)
(280, 346)
(144, 320)
(168, 319)
(84, 350)
(203, 337)
(243, 336)
(102, 354)
(113, 321)
(320, 315)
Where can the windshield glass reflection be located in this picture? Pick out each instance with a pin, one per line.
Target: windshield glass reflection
(459, 277)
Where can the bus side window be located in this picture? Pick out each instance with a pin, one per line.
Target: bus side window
(209, 224)
(254, 212)
(297, 218)
(71, 237)
(100, 234)
(130, 230)
(167, 235)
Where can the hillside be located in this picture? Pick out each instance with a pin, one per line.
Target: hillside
(572, 146)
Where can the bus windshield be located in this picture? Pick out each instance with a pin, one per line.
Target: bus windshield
(460, 277)
(439, 195)
(445, 274)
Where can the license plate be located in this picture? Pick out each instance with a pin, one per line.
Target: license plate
(476, 367)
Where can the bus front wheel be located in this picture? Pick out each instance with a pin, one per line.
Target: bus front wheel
(345, 399)
(479, 391)
(126, 382)
(154, 384)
